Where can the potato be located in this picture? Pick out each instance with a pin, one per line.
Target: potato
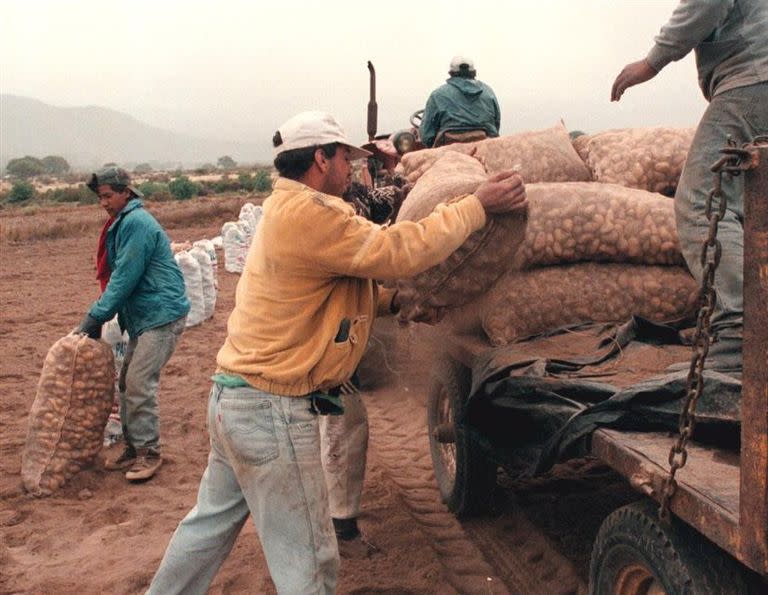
(67, 419)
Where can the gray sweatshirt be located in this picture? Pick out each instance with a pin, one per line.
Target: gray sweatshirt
(730, 38)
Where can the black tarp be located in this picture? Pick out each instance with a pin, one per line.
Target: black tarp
(531, 412)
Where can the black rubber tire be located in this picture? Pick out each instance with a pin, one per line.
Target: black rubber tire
(470, 488)
(681, 560)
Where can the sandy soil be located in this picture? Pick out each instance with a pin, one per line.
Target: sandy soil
(100, 534)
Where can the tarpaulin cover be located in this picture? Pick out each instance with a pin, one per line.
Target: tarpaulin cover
(533, 411)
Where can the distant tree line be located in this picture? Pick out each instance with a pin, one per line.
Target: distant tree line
(28, 166)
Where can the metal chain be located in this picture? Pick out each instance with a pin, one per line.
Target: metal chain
(733, 162)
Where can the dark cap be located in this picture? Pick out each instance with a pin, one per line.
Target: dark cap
(112, 175)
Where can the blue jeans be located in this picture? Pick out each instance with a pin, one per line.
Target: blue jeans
(139, 379)
(741, 113)
(264, 460)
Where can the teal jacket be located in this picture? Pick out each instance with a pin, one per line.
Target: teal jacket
(460, 104)
(146, 287)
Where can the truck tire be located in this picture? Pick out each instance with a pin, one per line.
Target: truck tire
(465, 476)
(635, 553)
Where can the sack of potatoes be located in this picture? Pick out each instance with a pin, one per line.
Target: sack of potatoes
(66, 423)
(647, 158)
(478, 262)
(537, 155)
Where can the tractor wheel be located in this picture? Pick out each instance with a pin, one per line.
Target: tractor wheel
(465, 476)
(637, 554)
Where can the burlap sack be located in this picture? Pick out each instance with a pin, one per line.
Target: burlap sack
(67, 419)
(526, 303)
(476, 265)
(587, 221)
(538, 156)
(647, 158)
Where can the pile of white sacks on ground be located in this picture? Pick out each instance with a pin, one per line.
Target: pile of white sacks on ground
(199, 266)
(236, 237)
(598, 242)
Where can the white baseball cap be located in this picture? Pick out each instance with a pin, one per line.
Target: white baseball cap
(309, 129)
(457, 62)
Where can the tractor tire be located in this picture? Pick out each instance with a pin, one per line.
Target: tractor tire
(465, 476)
(635, 553)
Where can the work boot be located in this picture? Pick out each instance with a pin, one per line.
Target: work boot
(124, 461)
(724, 356)
(353, 545)
(148, 461)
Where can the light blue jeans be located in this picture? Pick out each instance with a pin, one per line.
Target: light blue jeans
(741, 113)
(264, 460)
(139, 379)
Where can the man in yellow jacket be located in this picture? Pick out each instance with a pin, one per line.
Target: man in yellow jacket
(303, 312)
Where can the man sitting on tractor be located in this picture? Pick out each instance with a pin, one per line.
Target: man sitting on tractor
(462, 110)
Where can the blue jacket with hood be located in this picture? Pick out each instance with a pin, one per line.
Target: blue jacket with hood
(146, 287)
(460, 104)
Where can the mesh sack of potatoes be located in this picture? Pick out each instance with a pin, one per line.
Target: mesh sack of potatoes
(647, 158)
(538, 156)
(475, 265)
(66, 423)
(587, 221)
(526, 303)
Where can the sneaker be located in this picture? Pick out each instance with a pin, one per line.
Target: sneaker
(147, 462)
(125, 461)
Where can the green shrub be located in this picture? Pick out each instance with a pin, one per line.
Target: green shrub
(21, 192)
(225, 184)
(262, 181)
(151, 189)
(182, 188)
(78, 194)
(245, 181)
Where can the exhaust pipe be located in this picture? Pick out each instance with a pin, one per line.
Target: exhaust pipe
(373, 109)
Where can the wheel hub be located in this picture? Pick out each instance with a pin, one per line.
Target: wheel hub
(636, 579)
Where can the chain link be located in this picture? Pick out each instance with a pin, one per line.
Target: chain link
(733, 162)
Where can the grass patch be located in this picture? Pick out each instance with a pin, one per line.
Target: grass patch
(29, 224)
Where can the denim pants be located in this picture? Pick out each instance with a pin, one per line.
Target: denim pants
(742, 114)
(344, 446)
(139, 379)
(264, 460)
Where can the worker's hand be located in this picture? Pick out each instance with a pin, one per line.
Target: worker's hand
(632, 74)
(503, 193)
(90, 326)
(425, 314)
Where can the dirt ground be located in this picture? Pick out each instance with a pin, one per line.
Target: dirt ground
(100, 534)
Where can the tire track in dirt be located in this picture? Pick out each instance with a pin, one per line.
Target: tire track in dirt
(507, 554)
(398, 438)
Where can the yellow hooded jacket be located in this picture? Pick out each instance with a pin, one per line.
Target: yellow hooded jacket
(311, 265)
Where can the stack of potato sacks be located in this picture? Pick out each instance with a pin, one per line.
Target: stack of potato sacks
(597, 243)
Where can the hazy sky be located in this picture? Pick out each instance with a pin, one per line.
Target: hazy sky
(236, 70)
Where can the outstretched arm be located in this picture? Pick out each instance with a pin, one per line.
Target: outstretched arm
(631, 75)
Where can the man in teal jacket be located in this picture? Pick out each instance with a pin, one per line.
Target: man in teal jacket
(146, 290)
(730, 40)
(457, 110)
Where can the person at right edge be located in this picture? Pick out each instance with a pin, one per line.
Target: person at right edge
(730, 39)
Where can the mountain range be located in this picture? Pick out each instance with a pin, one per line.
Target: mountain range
(87, 137)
